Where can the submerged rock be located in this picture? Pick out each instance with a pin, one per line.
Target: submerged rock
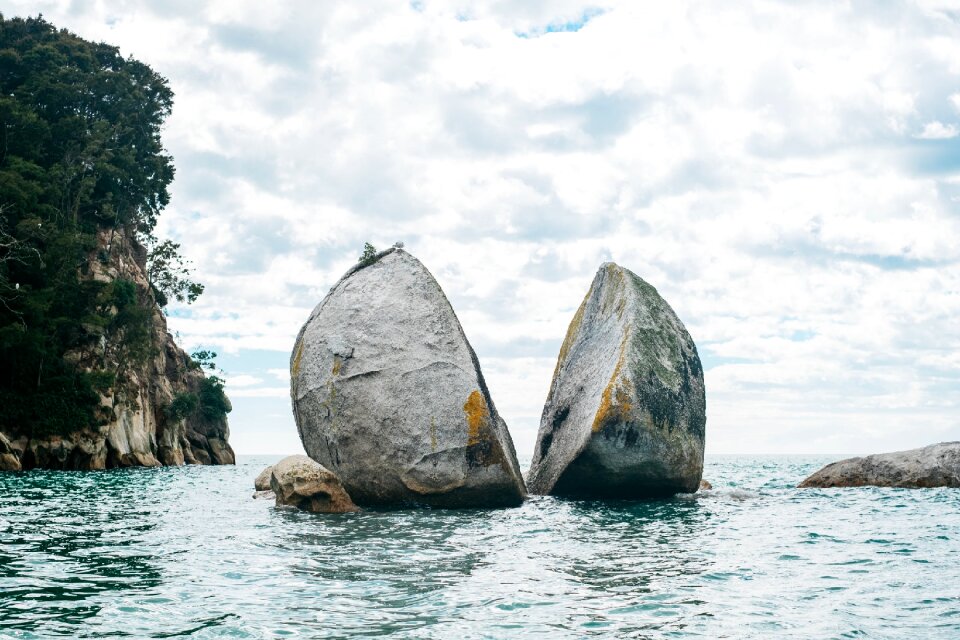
(388, 394)
(262, 483)
(937, 465)
(626, 412)
(300, 482)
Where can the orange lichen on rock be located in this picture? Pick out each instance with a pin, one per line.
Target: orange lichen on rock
(295, 369)
(572, 332)
(478, 415)
(337, 364)
(617, 388)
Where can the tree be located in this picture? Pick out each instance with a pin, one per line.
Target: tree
(369, 255)
(169, 274)
(80, 153)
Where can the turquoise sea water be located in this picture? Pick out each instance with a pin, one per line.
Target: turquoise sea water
(177, 552)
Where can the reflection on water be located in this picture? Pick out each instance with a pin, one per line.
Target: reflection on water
(186, 552)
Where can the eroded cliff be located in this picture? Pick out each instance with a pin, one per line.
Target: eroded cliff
(156, 405)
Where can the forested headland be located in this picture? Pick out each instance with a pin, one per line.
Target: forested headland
(84, 177)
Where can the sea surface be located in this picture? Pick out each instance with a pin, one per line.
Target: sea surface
(186, 552)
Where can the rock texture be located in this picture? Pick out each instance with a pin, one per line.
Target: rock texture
(262, 483)
(134, 428)
(9, 460)
(937, 465)
(388, 394)
(626, 412)
(300, 482)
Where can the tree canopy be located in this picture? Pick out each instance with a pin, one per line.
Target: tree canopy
(80, 152)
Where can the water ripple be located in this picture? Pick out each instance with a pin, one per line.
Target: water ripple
(164, 553)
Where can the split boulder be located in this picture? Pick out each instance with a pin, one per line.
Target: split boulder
(626, 413)
(387, 393)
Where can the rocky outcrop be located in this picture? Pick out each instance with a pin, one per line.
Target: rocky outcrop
(388, 394)
(135, 425)
(262, 482)
(937, 465)
(304, 484)
(9, 458)
(626, 412)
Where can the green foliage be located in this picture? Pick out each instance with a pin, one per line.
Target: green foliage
(369, 255)
(213, 401)
(80, 153)
(183, 405)
(124, 293)
(63, 400)
(102, 380)
(169, 274)
(81, 130)
(203, 359)
(159, 296)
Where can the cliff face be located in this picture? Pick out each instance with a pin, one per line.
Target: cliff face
(138, 421)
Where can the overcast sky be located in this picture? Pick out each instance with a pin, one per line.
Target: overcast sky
(788, 177)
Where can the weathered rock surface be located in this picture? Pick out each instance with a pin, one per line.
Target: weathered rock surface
(626, 412)
(300, 482)
(388, 394)
(9, 460)
(937, 465)
(262, 483)
(134, 428)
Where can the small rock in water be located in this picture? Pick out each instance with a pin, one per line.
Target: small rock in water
(937, 465)
(626, 412)
(305, 484)
(262, 483)
(388, 393)
(705, 485)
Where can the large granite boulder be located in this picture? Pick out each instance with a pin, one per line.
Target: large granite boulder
(388, 394)
(937, 465)
(304, 484)
(626, 412)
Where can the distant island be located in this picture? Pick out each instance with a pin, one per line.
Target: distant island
(91, 378)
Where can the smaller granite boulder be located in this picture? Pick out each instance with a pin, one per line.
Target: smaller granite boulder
(300, 482)
(626, 413)
(937, 465)
(705, 485)
(262, 483)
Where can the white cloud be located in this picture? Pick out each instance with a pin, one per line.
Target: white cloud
(242, 380)
(261, 392)
(754, 162)
(936, 130)
(280, 374)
